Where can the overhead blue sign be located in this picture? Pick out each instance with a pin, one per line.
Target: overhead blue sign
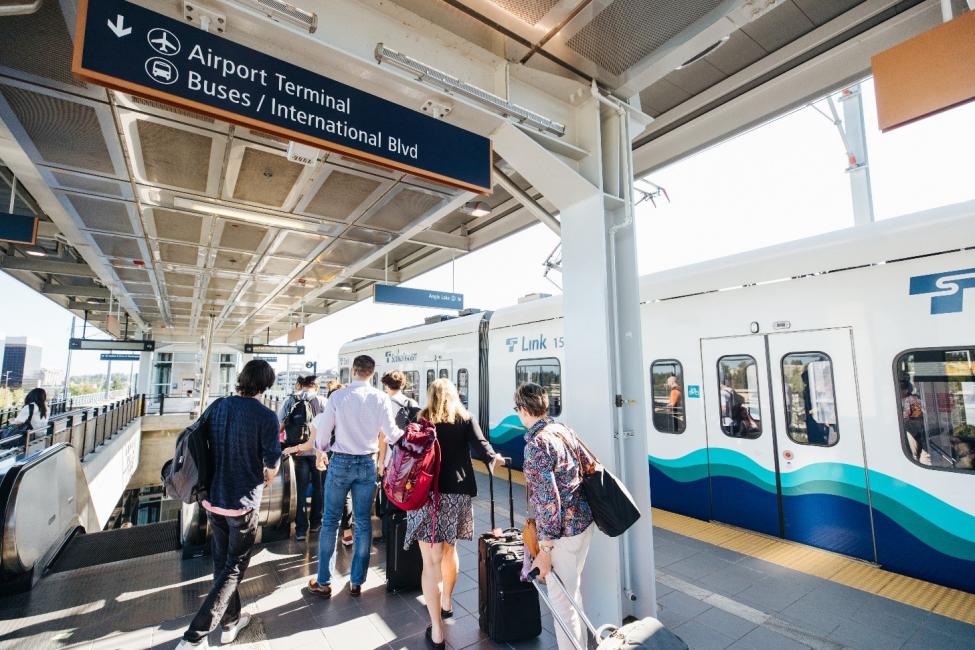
(18, 228)
(133, 49)
(948, 289)
(119, 357)
(388, 293)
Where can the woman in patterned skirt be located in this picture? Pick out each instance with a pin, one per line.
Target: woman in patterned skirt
(459, 436)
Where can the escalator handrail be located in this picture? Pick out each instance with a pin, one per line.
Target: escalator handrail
(10, 484)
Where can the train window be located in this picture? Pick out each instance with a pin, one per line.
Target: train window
(431, 377)
(412, 387)
(667, 380)
(810, 399)
(547, 373)
(463, 386)
(445, 373)
(936, 407)
(344, 376)
(741, 413)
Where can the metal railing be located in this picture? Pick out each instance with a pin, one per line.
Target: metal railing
(85, 430)
(61, 406)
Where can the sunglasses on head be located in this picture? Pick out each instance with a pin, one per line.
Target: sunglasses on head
(519, 406)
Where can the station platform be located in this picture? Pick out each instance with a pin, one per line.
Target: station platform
(709, 594)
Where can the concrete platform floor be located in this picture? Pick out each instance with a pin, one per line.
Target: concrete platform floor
(712, 597)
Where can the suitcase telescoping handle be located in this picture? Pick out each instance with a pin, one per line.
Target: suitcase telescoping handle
(511, 490)
(596, 634)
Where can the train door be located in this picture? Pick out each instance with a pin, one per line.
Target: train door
(438, 369)
(445, 369)
(820, 442)
(741, 439)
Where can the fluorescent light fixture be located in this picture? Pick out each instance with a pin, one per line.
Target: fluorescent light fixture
(35, 252)
(454, 85)
(260, 218)
(283, 12)
(703, 53)
(477, 208)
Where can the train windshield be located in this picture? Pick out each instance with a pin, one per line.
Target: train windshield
(936, 400)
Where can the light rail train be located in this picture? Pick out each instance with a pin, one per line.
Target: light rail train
(821, 391)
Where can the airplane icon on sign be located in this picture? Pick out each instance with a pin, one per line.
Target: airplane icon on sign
(164, 41)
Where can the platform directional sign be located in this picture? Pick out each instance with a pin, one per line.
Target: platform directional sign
(119, 357)
(387, 293)
(127, 47)
(111, 346)
(260, 348)
(18, 228)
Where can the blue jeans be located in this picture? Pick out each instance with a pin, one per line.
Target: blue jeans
(306, 475)
(356, 474)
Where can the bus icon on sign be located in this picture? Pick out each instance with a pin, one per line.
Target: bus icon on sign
(162, 71)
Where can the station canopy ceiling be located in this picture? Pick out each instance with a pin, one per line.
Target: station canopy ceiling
(180, 216)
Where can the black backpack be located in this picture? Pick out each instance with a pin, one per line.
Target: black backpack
(296, 423)
(406, 414)
(187, 475)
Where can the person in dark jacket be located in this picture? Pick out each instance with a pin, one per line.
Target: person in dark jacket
(459, 436)
(305, 396)
(246, 453)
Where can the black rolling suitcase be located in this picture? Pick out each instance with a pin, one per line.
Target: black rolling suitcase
(403, 568)
(508, 608)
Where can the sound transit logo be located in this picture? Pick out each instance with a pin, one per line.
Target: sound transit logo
(948, 289)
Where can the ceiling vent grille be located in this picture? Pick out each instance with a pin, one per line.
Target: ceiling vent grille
(64, 132)
(160, 106)
(48, 32)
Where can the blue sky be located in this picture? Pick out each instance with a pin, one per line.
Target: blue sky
(782, 181)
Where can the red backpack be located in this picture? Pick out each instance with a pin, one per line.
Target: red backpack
(414, 468)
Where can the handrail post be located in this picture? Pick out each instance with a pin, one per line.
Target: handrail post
(142, 405)
(162, 402)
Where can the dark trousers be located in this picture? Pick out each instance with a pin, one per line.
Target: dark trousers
(232, 541)
(305, 475)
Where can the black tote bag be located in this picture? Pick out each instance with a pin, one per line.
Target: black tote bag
(613, 508)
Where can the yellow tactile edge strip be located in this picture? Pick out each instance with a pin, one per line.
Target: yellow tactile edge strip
(952, 603)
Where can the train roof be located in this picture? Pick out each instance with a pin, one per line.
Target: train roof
(947, 228)
(943, 229)
(422, 332)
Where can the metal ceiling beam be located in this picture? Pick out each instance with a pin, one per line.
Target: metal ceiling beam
(826, 59)
(88, 291)
(377, 275)
(447, 206)
(531, 204)
(54, 267)
(443, 240)
(77, 305)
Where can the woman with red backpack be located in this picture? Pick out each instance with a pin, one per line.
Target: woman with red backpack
(438, 525)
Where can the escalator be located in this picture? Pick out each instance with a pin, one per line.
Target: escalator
(49, 523)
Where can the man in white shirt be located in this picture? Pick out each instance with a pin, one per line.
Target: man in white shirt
(349, 427)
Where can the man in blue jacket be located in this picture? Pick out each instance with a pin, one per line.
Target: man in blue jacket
(246, 455)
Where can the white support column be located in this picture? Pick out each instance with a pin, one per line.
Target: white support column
(856, 142)
(603, 356)
(145, 372)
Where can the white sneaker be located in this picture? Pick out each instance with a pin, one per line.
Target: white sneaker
(186, 645)
(229, 634)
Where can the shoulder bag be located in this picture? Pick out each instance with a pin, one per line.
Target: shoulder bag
(613, 508)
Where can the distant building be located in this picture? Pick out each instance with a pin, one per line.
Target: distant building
(51, 377)
(21, 363)
(286, 379)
